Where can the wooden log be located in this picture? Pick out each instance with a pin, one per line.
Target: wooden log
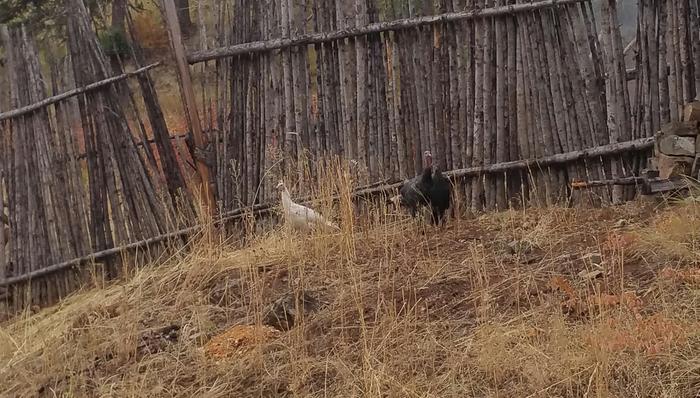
(686, 53)
(362, 87)
(467, 84)
(611, 95)
(71, 93)
(190, 103)
(349, 32)
(561, 158)
(603, 183)
(544, 138)
(652, 69)
(662, 33)
(449, 70)
(591, 58)
(658, 185)
(691, 112)
(477, 193)
(675, 77)
(300, 80)
(684, 129)
(675, 145)
(694, 32)
(71, 172)
(4, 230)
(489, 108)
(672, 166)
(513, 180)
(347, 83)
(289, 157)
(421, 95)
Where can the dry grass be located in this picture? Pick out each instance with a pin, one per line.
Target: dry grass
(455, 312)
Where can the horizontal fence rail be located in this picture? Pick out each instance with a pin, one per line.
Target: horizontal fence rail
(401, 24)
(72, 93)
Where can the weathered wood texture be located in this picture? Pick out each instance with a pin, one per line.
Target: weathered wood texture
(63, 207)
(515, 97)
(384, 187)
(668, 63)
(475, 82)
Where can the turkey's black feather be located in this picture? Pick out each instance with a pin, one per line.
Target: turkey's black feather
(439, 196)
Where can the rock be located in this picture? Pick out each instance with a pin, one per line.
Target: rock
(283, 313)
(590, 275)
(156, 340)
(503, 247)
(593, 258)
(520, 247)
(622, 223)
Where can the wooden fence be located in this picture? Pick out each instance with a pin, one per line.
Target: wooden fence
(516, 98)
(63, 207)
(476, 82)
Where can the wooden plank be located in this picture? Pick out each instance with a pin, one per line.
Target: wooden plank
(676, 145)
(189, 102)
(603, 183)
(671, 166)
(349, 32)
(663, 185)
(683, 129)
(692, 110)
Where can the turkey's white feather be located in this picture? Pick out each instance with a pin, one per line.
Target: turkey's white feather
(302, 217)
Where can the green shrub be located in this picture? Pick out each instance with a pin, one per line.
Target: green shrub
(114, 42)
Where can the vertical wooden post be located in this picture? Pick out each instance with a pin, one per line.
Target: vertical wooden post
(187, 93)
(3, 236)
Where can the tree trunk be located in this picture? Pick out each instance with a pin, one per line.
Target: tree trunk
(119, 16)
(183, 15)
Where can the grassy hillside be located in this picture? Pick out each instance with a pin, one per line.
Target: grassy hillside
(543, 303)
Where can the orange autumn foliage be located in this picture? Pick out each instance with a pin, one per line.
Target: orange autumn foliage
(650, 335)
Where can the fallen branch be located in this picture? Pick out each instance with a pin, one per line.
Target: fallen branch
(60, 97)
(400, 24)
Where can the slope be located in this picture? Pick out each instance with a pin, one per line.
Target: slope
(552, 302)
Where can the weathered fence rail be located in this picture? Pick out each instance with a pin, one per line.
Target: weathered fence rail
(71, 93)
(379, 27)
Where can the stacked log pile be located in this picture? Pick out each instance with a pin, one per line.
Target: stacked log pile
(677, 147)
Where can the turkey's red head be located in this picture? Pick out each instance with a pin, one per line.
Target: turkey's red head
(428, 159)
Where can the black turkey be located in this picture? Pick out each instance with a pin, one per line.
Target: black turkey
(439, 196)
(430, 188)
(414, 192)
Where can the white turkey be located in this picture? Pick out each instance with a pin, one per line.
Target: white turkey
(301, 217)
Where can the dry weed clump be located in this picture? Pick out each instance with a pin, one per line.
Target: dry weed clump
(494, 306)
